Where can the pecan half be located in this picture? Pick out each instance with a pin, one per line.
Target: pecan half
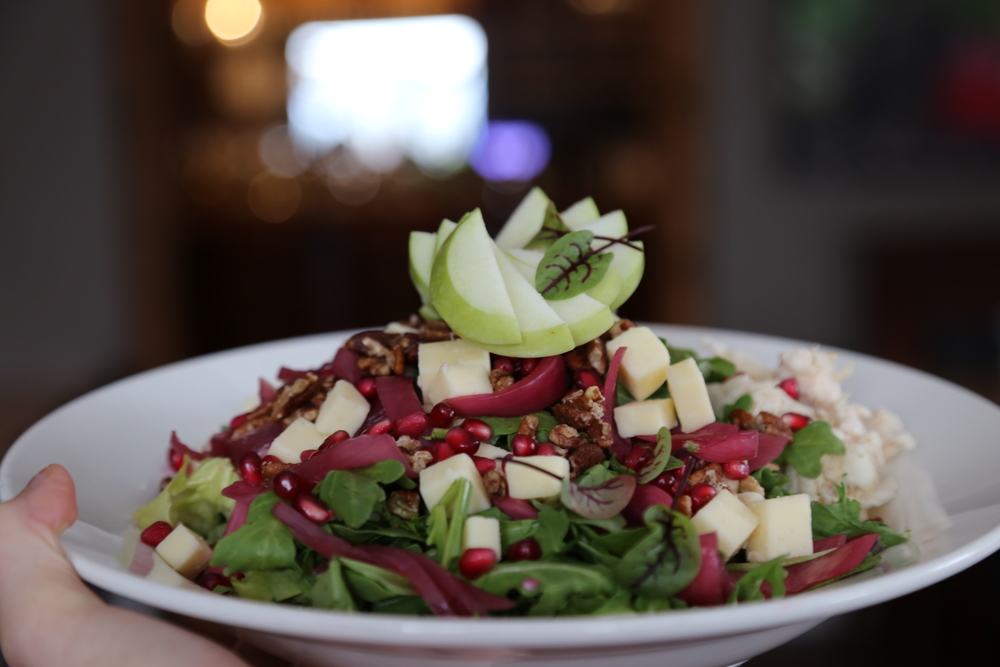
(271, 468)
(495, 483)
(393, 349)
(751, 485)
(601, 434)
(582, 408)
(584, 458)
(435, 330)
(404, 503)
(500, 379)
(564, 435)
(528, 426)
(765, 422)
(684, 506)
(419, 459)
(589, 355)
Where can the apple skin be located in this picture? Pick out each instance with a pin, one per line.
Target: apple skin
(421, 251)
(580, 213)
(467, 289)
(525, 222)
(587, 318)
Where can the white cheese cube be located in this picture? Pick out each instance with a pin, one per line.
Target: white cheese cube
(644, 366)
(297, 437)
(166, 575)
(785, 529)
(645, 417)
(481, 532)
(435, 481)
(687, 388)
(488, 451)
(430, 357)
(731, 521)
(185, 551)
(525, 482)
(749, 498)
(344, 409)
(459, 380)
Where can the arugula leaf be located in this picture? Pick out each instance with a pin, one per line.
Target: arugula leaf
(805, 451)
(622, 395)
(351, 495)
(515, 531)
(713, 369)
(372, 583)
(330, 590)
(570, 267)
(271, 585)
(747, 589)
(552, 528)
(383, 472)
(844, 517)
(446, 534)
(742, 403)
(666, 560)
(263, 543)
(773, 482)
(508, 425)
(406, 606)
(553, 583)
(663, 458)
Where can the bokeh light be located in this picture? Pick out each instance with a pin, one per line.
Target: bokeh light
(273, 198)
(388, 89)
(232, 21)
(511, 150)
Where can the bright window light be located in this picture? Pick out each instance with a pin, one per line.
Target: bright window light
(389, 88)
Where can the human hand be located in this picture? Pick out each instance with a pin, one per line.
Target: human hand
(48, 616)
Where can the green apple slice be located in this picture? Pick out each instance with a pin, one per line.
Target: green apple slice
(467, 288)
(543, 332)
(525, 222)
(587, 318)
(422, 245)
(609, 288)
(628, 263)
(444, 231)
(580, 213)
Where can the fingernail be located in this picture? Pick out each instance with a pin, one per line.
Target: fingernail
(37, 479)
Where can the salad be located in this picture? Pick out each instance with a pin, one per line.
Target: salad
(518, 449)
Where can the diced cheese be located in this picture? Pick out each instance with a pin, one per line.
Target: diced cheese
(525, 482)
(785, 528)
(645, 417)
(344, 409)
(168, 576)
(731, 521)
(185, 551)
(488, 451)
(481, 532)
(644, 366)
(459, 380)
(687, 388)
(430, 356)
(748, 498)
(297, 437)
(435, 481)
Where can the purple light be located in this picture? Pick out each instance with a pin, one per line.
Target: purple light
(511, 150)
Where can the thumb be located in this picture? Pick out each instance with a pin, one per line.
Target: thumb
(48, 503)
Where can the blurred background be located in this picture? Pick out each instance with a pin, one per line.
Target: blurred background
(179, 177)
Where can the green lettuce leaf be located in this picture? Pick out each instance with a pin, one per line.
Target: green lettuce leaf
(195, 500)
(557, 582)
(264, 543)
(352, 495)
(331, 591)
(272, 585)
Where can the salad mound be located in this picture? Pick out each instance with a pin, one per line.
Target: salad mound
(516, 449)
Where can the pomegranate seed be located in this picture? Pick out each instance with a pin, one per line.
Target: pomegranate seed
(305, 454)
(701, 493)
(736, 469)
(527, 365)
(367, 387)
(211, 580)
(637, 457)
(379, 428)
(484, 465)
(442, 451)
(795, 421)
(412, 425)
(523, 445)
(461, 441)
(474, 563)
(333, 439)
(667, 482)
(478, 428)
(155, 533)
(545, 449)
(312, 508)
(585, 378)
(441, 415)
(791, 387)
(526, 549)
(270, 458)
(176, 460)
(249, 468)
(238, 576)
(288, 485)
(505, 364)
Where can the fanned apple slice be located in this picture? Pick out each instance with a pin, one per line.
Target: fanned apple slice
(467, 288)
(587, 318)
(628, 262)
(606, 291)
(525, 222)
(422, 246)
(543, 332)
(444, 231)
(580, 213)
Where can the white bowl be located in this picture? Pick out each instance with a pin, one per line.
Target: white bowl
(114, 440)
